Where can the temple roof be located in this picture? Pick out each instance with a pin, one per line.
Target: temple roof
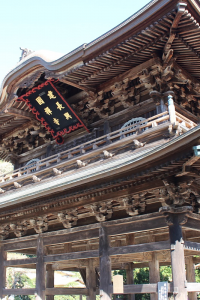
(160, 43)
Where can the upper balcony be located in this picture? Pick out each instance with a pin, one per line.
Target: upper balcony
(136, 135)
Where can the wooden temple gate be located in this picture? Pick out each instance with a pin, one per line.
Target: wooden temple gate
(117, 187)
(97, 264)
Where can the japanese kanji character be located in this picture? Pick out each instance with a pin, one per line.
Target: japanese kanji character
(39, 100)
(56, 121)
(51, 95)
(67, 116)
(48, 111)
(59, 106)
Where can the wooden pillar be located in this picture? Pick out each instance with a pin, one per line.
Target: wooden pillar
(129, 279)
(130, 240)
(91, 280)
(3, 255)
(190, 276)
(49, 280)
(105, 264)
(177, 257)
(40, 270)
(154, 274)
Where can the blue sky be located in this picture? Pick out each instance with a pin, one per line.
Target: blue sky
(56, 25)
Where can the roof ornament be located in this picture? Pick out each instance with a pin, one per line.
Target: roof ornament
(25, 52)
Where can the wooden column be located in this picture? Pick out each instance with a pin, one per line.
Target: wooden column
(190, 276)
(91, 280)
(154, 274)
(105, 264)
(177, 256)
(40, 270)
(3, 255)
(130, 240)
(129, 279)
(49, 280)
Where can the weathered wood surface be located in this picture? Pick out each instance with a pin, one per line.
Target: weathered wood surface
(18, 262)
(137, 226)
(3, 256)
(105, 264)
(154, 273)
(147, 247)
(190, 276)
(49, 280)
(40, 270)
(66, 291)
(177, 258)
(19, 291)
(142, 288)
(71, 256)
(192, 246)
(91, 280)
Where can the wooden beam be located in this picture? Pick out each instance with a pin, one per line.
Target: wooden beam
(40, 270)
(192, 246)
(105, 264)
(18, 262)
(130, 74)
(143, 288)
(19, 291)
(137, 226)
(147, 247)
(72, 256)
(78, 86)
(72, 237)
(19, 113)
(193, 224)
(66, 291)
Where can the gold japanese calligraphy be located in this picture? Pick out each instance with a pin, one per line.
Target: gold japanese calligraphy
(48, 111)
(39, 100)
(67, 116)
(59, 106)
(56, 121)
(51, 95)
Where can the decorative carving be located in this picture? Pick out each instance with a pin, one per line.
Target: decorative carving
(68, 218)
(40, 224)
(181, 212)
(177, 194)
(80, 163)
(135, 205)
(107, 154)
(25, 53)
(56, 171)
(19, 229)
(102, 211)
(138, 144)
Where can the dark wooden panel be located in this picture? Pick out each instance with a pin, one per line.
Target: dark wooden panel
(72, 256)
(147, 247)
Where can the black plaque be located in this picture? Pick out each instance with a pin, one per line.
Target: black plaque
(163, 290)
(52, 110)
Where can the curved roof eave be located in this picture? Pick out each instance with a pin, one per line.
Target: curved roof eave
(39, 60)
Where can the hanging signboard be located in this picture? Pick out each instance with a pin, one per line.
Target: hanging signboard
(163, 290)
(52, 110)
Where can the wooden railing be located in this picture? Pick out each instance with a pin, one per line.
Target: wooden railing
(121, 136)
